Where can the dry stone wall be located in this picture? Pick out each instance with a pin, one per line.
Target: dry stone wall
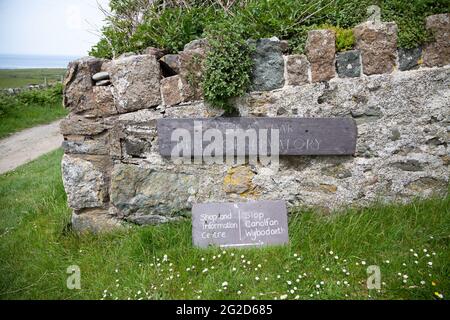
(399, 99)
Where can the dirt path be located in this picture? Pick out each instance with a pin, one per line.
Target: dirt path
(28, 144)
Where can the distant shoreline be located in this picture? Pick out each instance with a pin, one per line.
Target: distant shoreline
(17, 61)
(34, 68)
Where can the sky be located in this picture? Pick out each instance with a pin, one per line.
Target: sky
(50, 27)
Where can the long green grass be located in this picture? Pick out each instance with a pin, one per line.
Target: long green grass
(30, 108)
(17, 78)
(26, 116)
(327, 257)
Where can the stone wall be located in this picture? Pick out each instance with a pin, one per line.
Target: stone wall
(400, 100)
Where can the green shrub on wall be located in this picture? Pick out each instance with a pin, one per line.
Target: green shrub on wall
(136, 24)
(345, 40)
(228, 65)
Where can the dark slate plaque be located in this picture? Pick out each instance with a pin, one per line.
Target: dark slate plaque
(297, 136)
(243, 224)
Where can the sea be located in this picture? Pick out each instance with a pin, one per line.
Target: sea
(19, 61)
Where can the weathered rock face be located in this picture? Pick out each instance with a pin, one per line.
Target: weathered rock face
(268, 68)
(191, 64)
(320, 50)
(85, 182)
(408, 59)
(191, 72)
(378, 45)
(171, 62)
(104, 103)
(95, 221)
(77, 125)
(348, 64)
(78, 83)
(144, 195)
(297, 69)
(79, 144)
(135, 81)
(238, 180)
(437, 53)
(174, 90)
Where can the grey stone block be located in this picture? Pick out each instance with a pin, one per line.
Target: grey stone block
(408, 59)
(268, 69)
(348, 64)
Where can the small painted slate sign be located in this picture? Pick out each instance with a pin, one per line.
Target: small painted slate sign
(243, 224)
(297, 136)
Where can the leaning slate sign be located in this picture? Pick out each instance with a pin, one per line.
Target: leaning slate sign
(297, 136)
(244, 224)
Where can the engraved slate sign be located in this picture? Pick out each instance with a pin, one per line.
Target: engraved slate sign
(243, 224)
(297, 136)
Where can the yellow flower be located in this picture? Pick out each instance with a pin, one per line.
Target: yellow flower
(439, 295)
(433, 283)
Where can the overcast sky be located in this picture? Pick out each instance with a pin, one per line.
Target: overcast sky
(49, 27)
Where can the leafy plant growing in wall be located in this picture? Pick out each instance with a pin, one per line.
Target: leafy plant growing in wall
(228, 65)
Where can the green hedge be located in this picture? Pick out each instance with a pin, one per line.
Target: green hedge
(227, 66)
(48, 96)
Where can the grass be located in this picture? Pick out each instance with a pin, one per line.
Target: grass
(16, 78)
(30, 108)
(159, 262)
(26, 116)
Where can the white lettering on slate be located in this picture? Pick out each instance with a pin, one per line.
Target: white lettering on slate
(243, 224)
